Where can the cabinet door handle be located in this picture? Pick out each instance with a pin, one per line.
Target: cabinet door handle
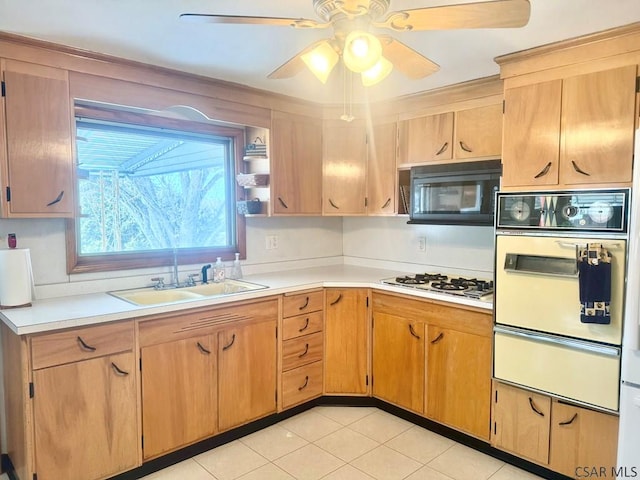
(306, 382)
(306, 304)
(464, 147)
(282, 203)
(57, 199)
(544, 171)
(336, 300)
(333, 204)
(306, 325)
(84, 346)
(233, 339)
(413, 332)
(443, 148)
(118, 370)
(569, 422)
(386, 204)
(202, 349)
(306, 350)
(534, 408)
(578, 169)
(438, 338)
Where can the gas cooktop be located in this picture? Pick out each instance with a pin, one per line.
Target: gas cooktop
(437, 282)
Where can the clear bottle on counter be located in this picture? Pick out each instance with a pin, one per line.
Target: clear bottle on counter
(236, 269)
(218, 271)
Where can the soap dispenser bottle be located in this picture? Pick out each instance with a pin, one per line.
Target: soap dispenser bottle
(218, 271)
(236, 269)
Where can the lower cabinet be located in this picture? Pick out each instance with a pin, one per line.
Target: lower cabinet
(562, 437)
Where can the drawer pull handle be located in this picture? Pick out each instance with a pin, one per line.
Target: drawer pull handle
(413, 332)
(233, 339)
(464, 147)
(569, 422)
(306, 325)
(386, 204)
(544, 171)
(84, 346)
(202, 349)
(336, 300)
(443, 148)
(306, 382)
(282, 203)
(306, 304)
(57, 199)
(118, 370)
(333, 204)
(578, 169)
(438, 338)
(534, 408)
(306, 350)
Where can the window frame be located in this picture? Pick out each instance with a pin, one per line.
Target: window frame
(136, 260)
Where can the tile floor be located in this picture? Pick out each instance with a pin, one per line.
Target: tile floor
(342, 443)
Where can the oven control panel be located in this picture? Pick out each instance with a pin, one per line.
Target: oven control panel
(584, 210)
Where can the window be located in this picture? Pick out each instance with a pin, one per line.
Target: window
(150, 185)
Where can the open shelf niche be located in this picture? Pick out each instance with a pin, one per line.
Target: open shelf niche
(255, 162)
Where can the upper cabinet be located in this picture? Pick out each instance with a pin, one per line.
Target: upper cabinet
(478, 132)
(36, 124)
(571, 132)
(296, 178)
(426, 139)
(381, 169)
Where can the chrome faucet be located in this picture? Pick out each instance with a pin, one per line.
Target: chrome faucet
(175, 279)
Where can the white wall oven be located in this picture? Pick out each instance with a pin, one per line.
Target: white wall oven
(559, 292)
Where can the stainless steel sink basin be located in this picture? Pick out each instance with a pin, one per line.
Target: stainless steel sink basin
(151, 296)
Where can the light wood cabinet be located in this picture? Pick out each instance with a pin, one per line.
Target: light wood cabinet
(426, 139)
(381, 170)
(37, 161)
(478, 132)
(179, 393)
(398, 360)
(296, 164)
(346, 354)
(570, 132)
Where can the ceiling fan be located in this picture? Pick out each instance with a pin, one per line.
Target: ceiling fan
(370, 54)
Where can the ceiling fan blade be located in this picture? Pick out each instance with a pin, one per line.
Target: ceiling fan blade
(242, 20)
(294, 65)
(406, 59)
(493, 14)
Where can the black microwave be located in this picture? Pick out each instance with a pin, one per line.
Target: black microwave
(455, 193)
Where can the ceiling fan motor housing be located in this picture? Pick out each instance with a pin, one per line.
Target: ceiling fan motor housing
(330, 10)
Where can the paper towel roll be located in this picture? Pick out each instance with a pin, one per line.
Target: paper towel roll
(16, 277)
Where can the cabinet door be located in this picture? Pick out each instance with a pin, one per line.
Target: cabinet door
(582, 438)
(598, 118)
(459, 380)
(531, 147)
(85, 419)
(478, 132)
(398, 361)
(296, 176)
(178, 393)
(344, 165)
(521, 422)
(381, 170)
(346, 341)
(38, 136)
(427, 139)
(246, 373)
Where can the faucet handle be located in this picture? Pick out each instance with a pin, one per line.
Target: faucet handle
(160, 282)
(191, 279)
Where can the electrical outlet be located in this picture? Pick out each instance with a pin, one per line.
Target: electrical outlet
(422, 244)
(271, 242)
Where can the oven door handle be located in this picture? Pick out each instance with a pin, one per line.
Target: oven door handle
(609, 351)
(540, 265)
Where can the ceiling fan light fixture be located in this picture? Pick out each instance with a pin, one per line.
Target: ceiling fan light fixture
(321, 60)
(361, 51)
(377, 73)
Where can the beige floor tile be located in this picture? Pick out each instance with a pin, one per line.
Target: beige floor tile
(230, 461)
(309, 463)
(420, 444)
(509, 472)
(346, 444)
(428, 473)
(345, 415)
(380, 426)
(463, 463)
(384, 463)
(187, 470)
(267, 472)
(347, 473)
(274, 442)
(310, 425)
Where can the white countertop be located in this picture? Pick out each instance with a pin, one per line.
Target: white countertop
(89, 309)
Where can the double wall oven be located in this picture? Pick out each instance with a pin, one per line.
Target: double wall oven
(559, 292)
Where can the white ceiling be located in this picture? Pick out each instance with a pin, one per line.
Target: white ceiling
(150, 31)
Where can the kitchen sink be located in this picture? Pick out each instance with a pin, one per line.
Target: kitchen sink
(152, 296)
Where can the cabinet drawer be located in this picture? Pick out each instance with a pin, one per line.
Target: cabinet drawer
(302, 350)
(302, 303)
(80, 344)
(293, 327)
(301, 384)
